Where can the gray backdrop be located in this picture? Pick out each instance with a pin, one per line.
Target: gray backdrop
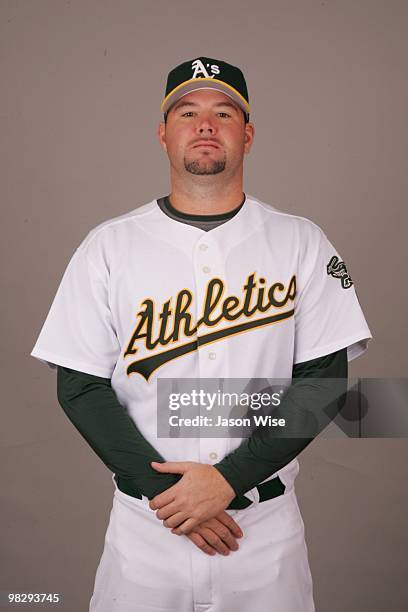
(81, 86)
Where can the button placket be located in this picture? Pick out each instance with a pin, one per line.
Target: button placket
(207, 264)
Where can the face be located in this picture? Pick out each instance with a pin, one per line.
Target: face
(206, 134)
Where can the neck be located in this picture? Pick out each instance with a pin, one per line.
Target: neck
(206, 195)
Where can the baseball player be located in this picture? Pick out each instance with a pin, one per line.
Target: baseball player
(207, 282)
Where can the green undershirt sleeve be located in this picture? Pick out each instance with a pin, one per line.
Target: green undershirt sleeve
(318, 388)
(91, 405)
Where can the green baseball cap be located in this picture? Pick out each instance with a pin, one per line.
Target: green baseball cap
(206, 73)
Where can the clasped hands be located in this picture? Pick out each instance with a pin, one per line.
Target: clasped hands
(195, 506)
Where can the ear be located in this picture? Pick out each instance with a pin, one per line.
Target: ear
(161, 134)
(249, 136)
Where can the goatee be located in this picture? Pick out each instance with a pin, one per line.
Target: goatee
(206, 168)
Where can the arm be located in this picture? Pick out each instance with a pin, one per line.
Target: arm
(318, 385)
(115, 438)
(91, 405)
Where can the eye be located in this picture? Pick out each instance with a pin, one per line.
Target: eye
(224, 114)
(188, 114)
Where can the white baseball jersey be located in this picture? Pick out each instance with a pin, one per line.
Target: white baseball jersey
(145, 296)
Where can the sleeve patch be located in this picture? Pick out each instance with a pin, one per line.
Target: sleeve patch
(337, 269)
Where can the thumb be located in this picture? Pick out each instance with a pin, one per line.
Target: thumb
(171, 467)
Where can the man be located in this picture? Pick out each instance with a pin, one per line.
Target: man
(206, 283)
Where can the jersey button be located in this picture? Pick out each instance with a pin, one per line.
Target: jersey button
(203, 247)
(213, 456)
(212, 355)
(206, 269)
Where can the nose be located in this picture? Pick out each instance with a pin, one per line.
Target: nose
(205, 127)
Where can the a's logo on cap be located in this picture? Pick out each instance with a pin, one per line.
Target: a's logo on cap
(200, 71)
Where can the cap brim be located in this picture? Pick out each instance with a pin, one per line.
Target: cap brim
(203, 83)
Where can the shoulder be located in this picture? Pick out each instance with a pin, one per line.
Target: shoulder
(111, 231)
(285, 223)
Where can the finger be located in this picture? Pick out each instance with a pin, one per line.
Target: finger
(213, 540)
(164, 498)
(229, 522)
(201, 543)
(186, 527)
(222, 532)
(171, 467)
(174, 521)
(167, 511)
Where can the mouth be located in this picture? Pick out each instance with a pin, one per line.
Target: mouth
(206, 144)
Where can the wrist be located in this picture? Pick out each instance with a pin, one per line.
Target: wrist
(228, 490)
(231, 477)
